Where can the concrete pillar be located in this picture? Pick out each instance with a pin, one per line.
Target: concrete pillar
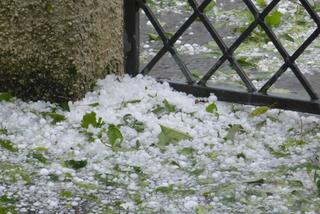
(55, 50)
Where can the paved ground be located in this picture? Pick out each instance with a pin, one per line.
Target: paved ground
(168, 69)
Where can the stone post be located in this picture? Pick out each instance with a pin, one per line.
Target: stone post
(56, 50)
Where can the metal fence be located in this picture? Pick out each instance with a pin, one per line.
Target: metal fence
(252, 96)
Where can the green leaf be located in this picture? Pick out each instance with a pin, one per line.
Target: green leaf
(56, 118)
(316, 6)
(108, 210)
(275, 153)
(65, 194)
(40, 157)
(159, 109)
(287, 37)
(169, 34)
(241, 155)
(295, 183)
(115, 137)
(53, 177)
(197, 172)
(292, 143)
(136, 198)
(259, 111)
(89, 135)
(174, 163)
(169, 107)
(41, 149)
(212, 108)
(132, 122)
(210, 6)
(280, 154)
(65, 106)
(6, 199)
(91, 119)
(12, 173)
(68, 176)
(93, 198)
(165, 189)
(256, 182)
(8, 145)
(107, 179)
(87, 119)
(138, 170)
(4, 131)
(94, 105)
(260, 124)
(273, 119)
(246, 62)
(156, 37)
(195, 74)
(124, 104)
(142, 176)
(233, 130)
(212, 155)
(6, 97)
(316, 180)
(187, 151)
(76, 164)
(169, 136)
(87, 186)
(274, 19)
(202, 209)
(7, 209)
(261, 3)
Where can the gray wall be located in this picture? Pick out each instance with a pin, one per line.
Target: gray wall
(56, 50)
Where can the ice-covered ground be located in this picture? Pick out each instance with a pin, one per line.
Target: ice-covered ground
(135, 146)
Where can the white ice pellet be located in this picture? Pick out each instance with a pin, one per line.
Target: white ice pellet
(23, 210)
(190, 204)
(53, 204)
(74, 204)
(44, 172)
(36, 204)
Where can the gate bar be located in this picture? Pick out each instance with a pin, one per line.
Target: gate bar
(131, 52)
(131, 37)
(243, 97)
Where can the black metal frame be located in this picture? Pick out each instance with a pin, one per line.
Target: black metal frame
(253, 96)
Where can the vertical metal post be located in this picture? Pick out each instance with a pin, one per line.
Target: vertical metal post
(131, 37)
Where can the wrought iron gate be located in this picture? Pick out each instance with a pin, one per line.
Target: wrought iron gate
(199, 88)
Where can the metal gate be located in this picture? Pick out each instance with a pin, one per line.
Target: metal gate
(252, 96)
